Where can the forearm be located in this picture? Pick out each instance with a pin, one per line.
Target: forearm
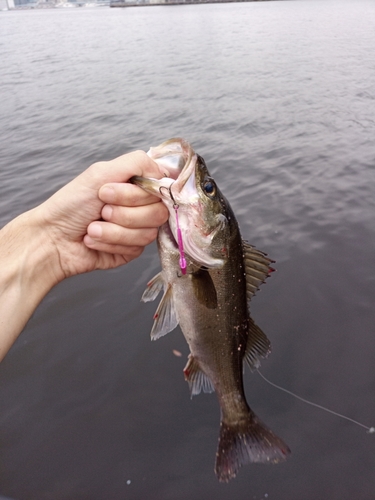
(80, 228)
(27, 273)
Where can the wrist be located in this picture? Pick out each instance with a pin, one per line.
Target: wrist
(30, 253)
(28, 271)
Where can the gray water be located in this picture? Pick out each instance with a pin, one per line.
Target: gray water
(279, 98)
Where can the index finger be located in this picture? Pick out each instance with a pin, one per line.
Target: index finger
(126, 194)
(121, 169)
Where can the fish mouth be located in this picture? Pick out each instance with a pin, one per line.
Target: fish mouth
(178, 159)
(180, 189)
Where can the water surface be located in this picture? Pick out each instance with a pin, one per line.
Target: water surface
(278, 97)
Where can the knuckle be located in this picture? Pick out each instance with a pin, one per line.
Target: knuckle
(162, 214)
(132, 195)
(122, 216)
(139, 155)
(117, 235)
(150, 235)
(98, 168)
(134, 252)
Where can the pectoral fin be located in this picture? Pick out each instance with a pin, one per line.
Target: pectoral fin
(165, 316)
(257, 267)
(197, 380)
(258, 346)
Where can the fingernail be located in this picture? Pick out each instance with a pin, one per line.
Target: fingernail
(107, 212)
(95, 230)
(107, 194)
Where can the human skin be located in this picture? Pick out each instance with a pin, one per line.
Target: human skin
(97, 221)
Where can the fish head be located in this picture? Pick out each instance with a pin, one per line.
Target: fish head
(196, 205)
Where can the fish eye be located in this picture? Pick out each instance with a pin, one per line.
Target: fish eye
(209, 187)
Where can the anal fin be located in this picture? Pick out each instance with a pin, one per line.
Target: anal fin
(258, 346)
(197, 380)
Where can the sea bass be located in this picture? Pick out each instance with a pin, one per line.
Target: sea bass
(208, 276)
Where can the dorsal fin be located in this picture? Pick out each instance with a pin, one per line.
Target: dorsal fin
(257, 267)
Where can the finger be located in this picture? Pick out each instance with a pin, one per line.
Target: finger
(139, 160)
(136, 217)
(122, 168)
(128, 252)
(113, 234)
(125, 194)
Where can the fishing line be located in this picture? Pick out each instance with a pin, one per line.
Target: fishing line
(370, 430)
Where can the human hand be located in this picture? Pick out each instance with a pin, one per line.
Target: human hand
(99, 221)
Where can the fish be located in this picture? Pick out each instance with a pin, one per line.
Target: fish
(209, 274)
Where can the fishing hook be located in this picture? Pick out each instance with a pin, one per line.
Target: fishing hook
(175, 205)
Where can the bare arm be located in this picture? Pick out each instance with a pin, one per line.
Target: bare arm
(97, 221)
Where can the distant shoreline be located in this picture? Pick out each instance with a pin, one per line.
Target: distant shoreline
(151, 3)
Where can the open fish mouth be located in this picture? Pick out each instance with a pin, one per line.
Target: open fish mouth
(178, 159)
(172, 152)
(200, 219)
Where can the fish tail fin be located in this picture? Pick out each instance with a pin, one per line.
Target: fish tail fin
(246, 442)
